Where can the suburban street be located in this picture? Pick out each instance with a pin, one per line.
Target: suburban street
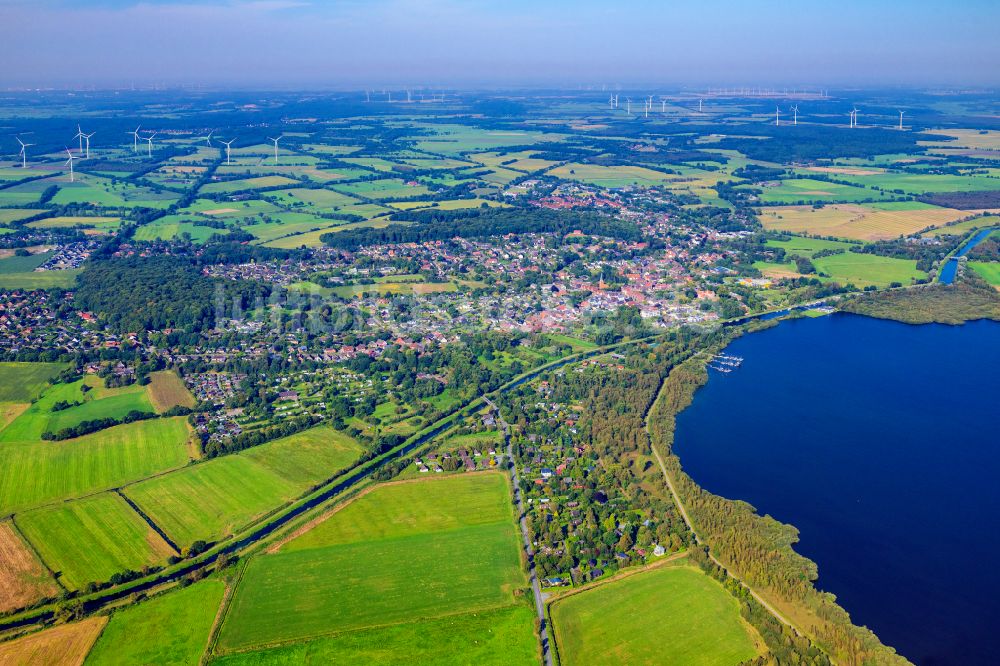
(536, 588)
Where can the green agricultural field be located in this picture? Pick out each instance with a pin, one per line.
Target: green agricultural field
(866, 269)
(375, 163)
(670, 615)
(116, 406)
(455, 140)
(386, 188)
(95, 404)
(400, 553)
(408, 509)
(246, 184)
(91, 539)
(497, 637)
(436, 163)
(101, 224)
(852, 267)
(364, 584)
(312, 238)
(15, 264)
(313, 198)
(89, 188)
(988, 270)
(610, 176)
(230, 209)
(40, 279)
(288, 224)
(473, 440)
(171, 629)
(212, 499)
(963, 228)
(170, 227)
(808, 190)
(450, 204)
(914, 183)
(308, 457)
(22, 382)
(15, 214)
(807, 247)
(351, 291)
(34, 472)
(577, 344)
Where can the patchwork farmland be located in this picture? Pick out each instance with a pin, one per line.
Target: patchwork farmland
(406, 552)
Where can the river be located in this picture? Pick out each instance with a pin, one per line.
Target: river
(878, 441)
(950, 268)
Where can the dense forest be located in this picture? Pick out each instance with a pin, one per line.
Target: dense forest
(480, 223)
(805, 143)
(969, 298)
(153, 293)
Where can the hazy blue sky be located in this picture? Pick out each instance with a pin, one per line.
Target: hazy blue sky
(504, 42)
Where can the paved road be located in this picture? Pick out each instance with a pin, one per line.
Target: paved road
(529, 551)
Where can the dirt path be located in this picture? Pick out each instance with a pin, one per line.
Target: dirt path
(690, 524)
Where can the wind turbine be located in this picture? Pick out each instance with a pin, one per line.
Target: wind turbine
(135, 139)
(854, 117)
(227, 144)
(611, 101)
(208, 138)
(149, 144)
(368, 96)
(795, 115)
(275, 147)
(901, 120)
(699, 105)
(24, 153)
(87, 137)
(777, 116)
(70, 163)
(663, 106)
(79, 135)
(628, 105)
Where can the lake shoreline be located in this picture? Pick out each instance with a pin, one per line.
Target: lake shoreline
(777, 502)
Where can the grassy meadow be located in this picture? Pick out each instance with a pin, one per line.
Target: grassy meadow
(91, 539)
(496, 637)
(34, 472)
(988, 270)
(214, 498)
(404, 552)
(22, 382)
(847, 267)
(668, 615)
(168, 630)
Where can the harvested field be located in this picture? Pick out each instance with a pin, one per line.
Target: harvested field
(23, 579)
(857, 221)
(167, 390)
(65, 645)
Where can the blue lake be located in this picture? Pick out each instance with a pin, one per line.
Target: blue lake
(879, 442)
